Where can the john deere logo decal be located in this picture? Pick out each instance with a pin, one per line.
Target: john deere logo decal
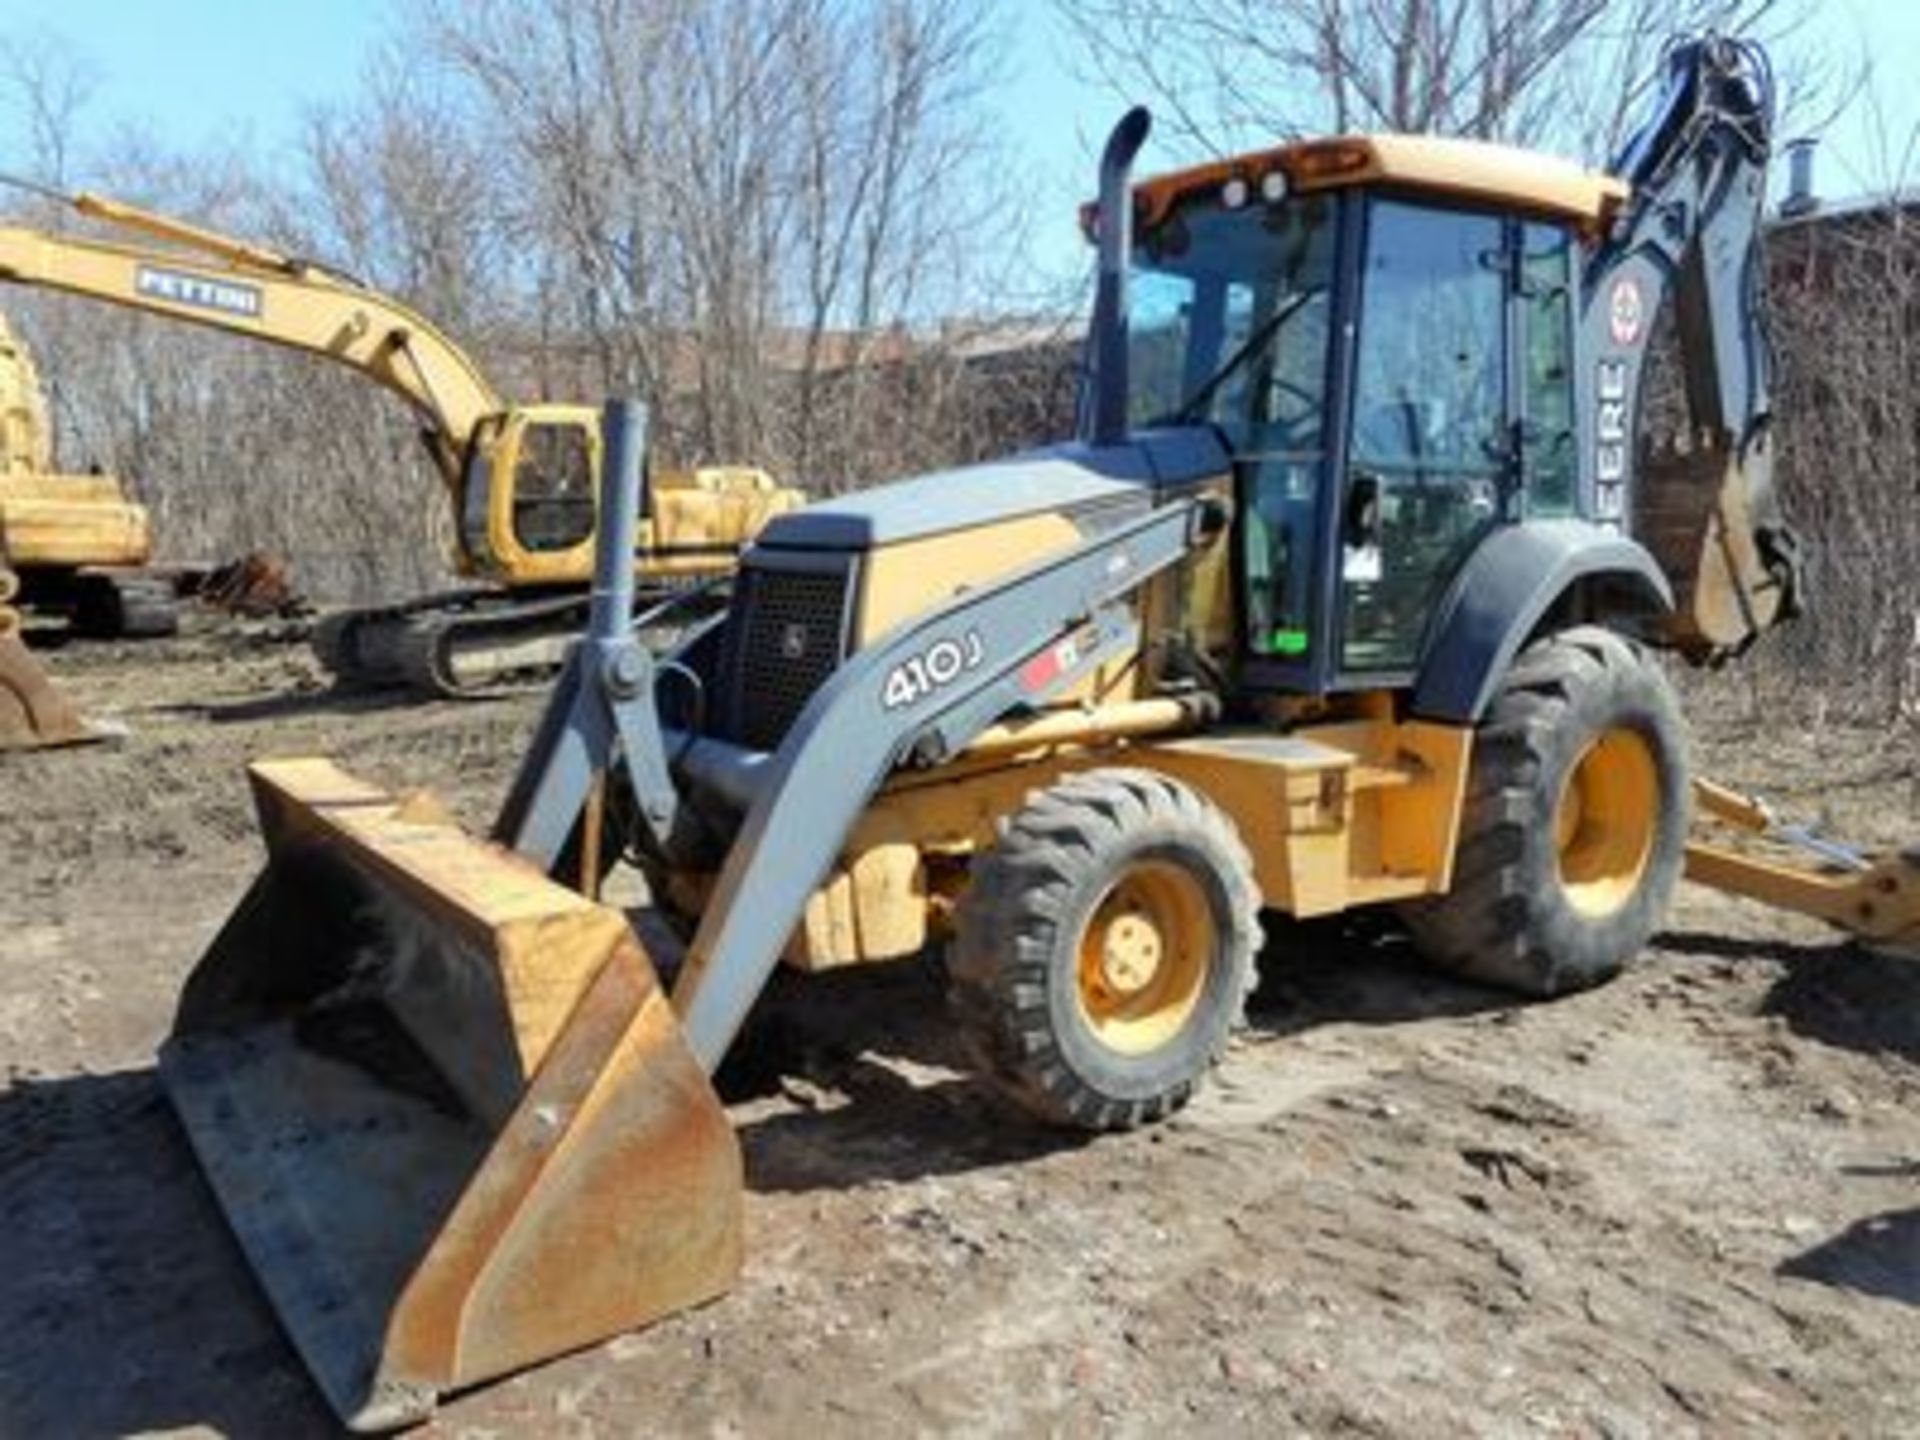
(1626, 311)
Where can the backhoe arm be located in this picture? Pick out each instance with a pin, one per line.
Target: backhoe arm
(180, 270)
(1704, 503)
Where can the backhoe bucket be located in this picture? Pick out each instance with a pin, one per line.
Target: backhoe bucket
(444, 1104)
(33, 713)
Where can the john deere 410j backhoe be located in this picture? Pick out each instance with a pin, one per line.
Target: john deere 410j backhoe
(1345, 596)
(523, 480)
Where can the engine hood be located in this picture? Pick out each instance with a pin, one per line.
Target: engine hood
(1073, 477)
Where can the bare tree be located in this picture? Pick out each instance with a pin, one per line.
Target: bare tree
(47, 86)
(759, 214)
(1555, 72)
(731, 201)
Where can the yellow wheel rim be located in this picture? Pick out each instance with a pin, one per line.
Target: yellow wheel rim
(1606, 821)
(1144, 955)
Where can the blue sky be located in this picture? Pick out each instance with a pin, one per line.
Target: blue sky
(201, 69)
(198, 70)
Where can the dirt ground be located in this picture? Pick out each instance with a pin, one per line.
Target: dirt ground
(1688, 1203)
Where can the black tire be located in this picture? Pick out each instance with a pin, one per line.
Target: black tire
(1106, 848)
(1555, 884)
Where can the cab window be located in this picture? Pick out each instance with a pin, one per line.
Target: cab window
(1549, 446)
(553, 493)
(1230, 315)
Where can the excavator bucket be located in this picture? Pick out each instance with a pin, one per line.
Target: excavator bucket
(33, 713)
(443, 1103)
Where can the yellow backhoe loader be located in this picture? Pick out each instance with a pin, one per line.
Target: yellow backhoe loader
(73, 541)
(1346, 595)
(523, 481)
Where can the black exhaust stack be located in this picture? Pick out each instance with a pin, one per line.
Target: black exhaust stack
(1109, 338)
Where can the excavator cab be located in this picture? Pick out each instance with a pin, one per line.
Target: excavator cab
(530, 491)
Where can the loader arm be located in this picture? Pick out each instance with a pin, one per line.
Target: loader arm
(856, 729)
(1705, 501)
(168, 267)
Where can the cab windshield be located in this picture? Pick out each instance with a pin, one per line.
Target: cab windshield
(1228, 321)
(1229, 324)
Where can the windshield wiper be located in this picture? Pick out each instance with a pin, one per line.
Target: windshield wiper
(1197, 403)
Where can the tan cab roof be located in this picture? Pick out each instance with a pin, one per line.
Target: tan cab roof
(1466, 169)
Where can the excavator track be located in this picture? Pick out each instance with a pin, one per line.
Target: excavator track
(461, 644)
(124, 605)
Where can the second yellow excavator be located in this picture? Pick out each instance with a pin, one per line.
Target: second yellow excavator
(523, 480)
(78, 542)
(68, 542)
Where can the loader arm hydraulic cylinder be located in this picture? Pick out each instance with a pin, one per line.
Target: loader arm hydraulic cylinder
(603, 700)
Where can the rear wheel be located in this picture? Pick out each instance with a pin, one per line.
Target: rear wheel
(1104, 948)
(1575, 824)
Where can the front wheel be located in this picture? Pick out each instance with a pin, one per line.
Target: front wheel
(1574, 831)
(1104, 948)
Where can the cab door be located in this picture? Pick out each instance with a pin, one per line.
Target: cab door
(1431, 463)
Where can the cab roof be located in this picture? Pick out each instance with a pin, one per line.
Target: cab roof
(1502, 175)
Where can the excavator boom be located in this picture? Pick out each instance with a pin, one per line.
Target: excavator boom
(211, 280)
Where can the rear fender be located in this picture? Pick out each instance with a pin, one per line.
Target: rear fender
(1506, 588)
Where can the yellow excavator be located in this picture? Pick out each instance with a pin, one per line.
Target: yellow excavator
(523, 480)
(1348, 593)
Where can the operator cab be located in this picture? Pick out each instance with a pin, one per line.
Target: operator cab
(529, 494)
(1388, 353)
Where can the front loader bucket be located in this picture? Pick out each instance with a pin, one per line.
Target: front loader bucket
(33, 714)
(444, 1104)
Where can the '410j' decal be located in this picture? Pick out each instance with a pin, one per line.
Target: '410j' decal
(939, 665)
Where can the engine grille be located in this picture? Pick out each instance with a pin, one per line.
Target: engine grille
(786, 633)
